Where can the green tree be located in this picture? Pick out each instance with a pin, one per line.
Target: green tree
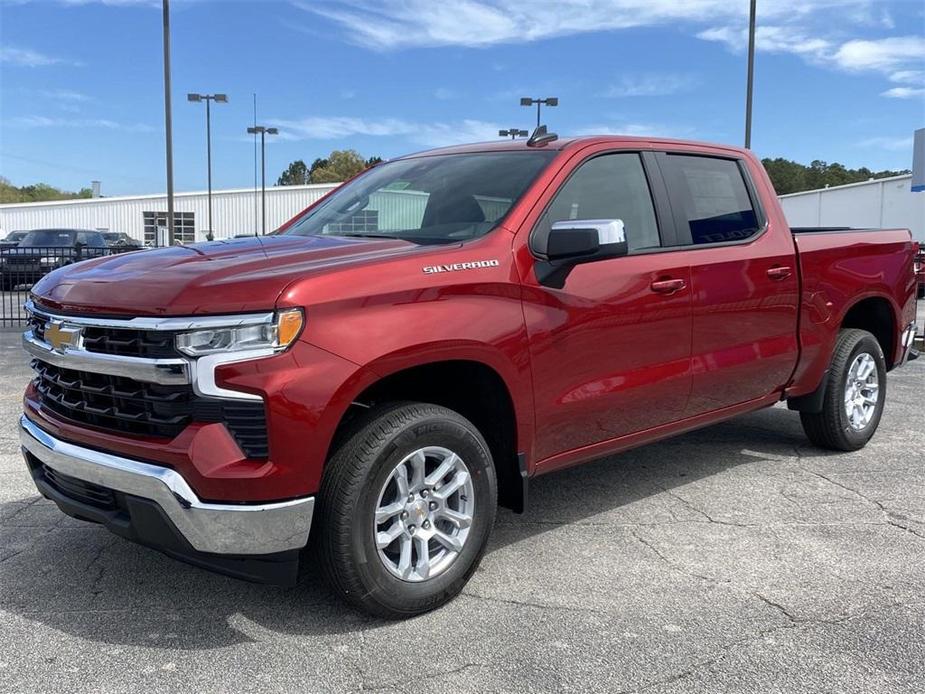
(37, 192)
(341, 165)
(295, 175)
(792, 177)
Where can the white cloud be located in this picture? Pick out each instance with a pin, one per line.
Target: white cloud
(445, 94)
(388, 24)
(633, 130)
(904, 93)
(892, 53)
(908, 76)
(84, 123)
(651, 85)
(770, 38)
(895, 144)
(426, 134)
(63, 95)
(26, 57)
(819, 31)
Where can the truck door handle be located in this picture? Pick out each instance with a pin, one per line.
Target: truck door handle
(667, 286)
(779, 273)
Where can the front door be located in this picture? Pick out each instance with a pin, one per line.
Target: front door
(610, 351)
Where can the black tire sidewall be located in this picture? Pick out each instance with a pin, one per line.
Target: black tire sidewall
(857, 439)
(383, 587)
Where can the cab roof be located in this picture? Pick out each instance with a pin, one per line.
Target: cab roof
(564, 143)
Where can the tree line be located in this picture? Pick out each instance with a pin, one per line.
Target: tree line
(37, 192)
(792, 177)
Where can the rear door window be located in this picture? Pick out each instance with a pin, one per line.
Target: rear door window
(710, 199)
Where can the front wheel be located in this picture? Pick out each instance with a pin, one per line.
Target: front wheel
(854, 395)
(407, 504)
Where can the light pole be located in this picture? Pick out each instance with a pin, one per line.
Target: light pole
(513, 133)
(751, 75)
(168, 126)
(263, 131)
(209, 98)
(549, 101)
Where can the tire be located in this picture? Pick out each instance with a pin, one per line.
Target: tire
(833, 428)
(363, 476)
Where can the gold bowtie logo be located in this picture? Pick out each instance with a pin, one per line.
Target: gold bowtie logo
(61, 336)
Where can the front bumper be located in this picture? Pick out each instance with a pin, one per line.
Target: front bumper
(204, 529)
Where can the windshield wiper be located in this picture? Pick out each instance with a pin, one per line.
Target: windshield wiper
(357, 235)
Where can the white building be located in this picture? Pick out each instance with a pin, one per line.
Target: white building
(883, 203)
(233, 212)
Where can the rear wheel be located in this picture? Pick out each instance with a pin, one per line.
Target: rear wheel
(854, 396)
(407, 505)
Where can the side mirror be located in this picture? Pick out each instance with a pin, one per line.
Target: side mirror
(575, 241)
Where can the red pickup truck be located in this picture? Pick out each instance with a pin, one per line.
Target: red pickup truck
(407, 353)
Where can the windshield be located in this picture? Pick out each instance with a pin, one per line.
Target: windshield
(438, 199)
(50, 237)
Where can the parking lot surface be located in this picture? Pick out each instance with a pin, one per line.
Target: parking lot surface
(735, 558)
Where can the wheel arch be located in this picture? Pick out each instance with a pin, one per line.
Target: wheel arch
(878, 315)
(475, 388)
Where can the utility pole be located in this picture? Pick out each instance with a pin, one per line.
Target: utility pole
(209, 98)
(263, 131)
(751, 74)
(168, 126)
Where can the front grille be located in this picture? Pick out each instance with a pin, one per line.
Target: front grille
(114, 402)
(150, 344)
(123, 405)
(79, 490)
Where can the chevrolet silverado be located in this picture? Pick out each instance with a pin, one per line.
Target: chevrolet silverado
(363, 387)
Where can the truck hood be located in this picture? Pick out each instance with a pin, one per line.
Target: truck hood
(233, 276)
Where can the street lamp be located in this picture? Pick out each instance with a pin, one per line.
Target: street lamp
(264, 131)
(751, 74)
(513, 133)
(208, 98)
(549, 101)
(168, 122)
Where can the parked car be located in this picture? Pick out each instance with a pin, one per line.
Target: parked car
(121, 241)
(44, 250)
(415, 347)
(12, 239)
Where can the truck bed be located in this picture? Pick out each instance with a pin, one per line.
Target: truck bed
(839, 268)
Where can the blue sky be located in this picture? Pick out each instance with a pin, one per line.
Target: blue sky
(81, 80)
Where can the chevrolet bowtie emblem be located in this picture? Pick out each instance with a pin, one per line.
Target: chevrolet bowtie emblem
(61, 336)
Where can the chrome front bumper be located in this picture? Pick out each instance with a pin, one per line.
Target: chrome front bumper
(245, 529)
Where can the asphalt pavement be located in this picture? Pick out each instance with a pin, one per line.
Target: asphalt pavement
(737, 558)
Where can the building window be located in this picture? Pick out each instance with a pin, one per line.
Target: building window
(184, 227)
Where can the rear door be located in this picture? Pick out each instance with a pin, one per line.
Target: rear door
(745, 288)
(610, 350)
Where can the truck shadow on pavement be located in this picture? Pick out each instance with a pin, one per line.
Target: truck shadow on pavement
(77, 578)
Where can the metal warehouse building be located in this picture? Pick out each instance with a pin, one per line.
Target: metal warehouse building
(886, 202)
(233, 212)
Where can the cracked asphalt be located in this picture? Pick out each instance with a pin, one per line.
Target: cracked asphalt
(733, 559)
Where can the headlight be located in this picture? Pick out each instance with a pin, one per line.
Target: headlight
(277, 335)
(48, 260)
